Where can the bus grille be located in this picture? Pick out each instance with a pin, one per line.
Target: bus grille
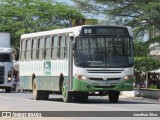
(105, 71)
(106, 79)
(104, 86)
(2, 75)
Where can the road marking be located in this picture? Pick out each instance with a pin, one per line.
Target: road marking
(74, 104)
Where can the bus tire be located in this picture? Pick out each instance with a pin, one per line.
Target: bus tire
(113, 96)
(61, 79)
(67, 95)
(37, 94)
(8, 89)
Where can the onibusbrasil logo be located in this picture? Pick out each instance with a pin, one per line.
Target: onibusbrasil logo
(21, 114)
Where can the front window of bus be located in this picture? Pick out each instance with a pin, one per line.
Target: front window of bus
(5, 57)
(104, 52)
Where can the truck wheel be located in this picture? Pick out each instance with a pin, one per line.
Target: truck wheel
(8, 89)
(113, 96)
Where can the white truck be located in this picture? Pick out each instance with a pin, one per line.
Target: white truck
(5, 62)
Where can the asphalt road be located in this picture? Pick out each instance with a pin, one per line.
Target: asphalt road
(92, 109)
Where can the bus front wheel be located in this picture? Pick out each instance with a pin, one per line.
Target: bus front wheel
(36, 93)
(113, 96)
(67, 96)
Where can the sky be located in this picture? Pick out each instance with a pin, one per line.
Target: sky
(66, 1)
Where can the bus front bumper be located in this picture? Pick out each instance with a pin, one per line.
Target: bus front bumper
(85, 86)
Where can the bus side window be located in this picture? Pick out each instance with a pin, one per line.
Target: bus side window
(22, 57)
(34, 43)
(54, 47)
(47, 51)
(37, 52)
(59, 46)
(28, 49)
(41, 48)
(63, 47)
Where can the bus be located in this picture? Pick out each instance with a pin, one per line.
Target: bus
(5, 62)
(78, 62)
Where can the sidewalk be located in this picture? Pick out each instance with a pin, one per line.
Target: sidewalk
(135, 95)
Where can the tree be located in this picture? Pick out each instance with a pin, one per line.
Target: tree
(24, 16)
(144, 65)
(140, 14)
(140, 49)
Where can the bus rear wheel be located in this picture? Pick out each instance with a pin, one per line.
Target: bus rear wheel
(113, 96)
(37, 94)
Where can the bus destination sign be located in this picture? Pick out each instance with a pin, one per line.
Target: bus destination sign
(104, 31)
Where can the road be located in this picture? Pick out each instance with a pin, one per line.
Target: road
(24, 102)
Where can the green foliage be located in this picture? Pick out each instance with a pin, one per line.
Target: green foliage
(140, 49)
(140, 14)
(152, 86)
(145, 64)
(24, 16)
(155, 39)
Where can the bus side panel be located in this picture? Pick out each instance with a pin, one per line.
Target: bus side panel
(46, 83)
(50, 83)
(26, 82)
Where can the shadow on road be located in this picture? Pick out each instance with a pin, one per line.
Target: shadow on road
(106, 101)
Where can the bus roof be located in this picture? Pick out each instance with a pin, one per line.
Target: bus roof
(51, 32)
(75, 30)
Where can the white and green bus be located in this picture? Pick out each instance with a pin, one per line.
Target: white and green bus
(78, 62)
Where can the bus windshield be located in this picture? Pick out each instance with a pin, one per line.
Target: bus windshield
(104, 52)
(5, 57)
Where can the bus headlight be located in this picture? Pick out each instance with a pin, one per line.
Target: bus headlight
(81, 77)
(128, 77)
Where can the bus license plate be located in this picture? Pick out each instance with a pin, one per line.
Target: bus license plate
(104, 84)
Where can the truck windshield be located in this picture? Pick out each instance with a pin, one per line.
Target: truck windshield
(104, 52)
(5, 57)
